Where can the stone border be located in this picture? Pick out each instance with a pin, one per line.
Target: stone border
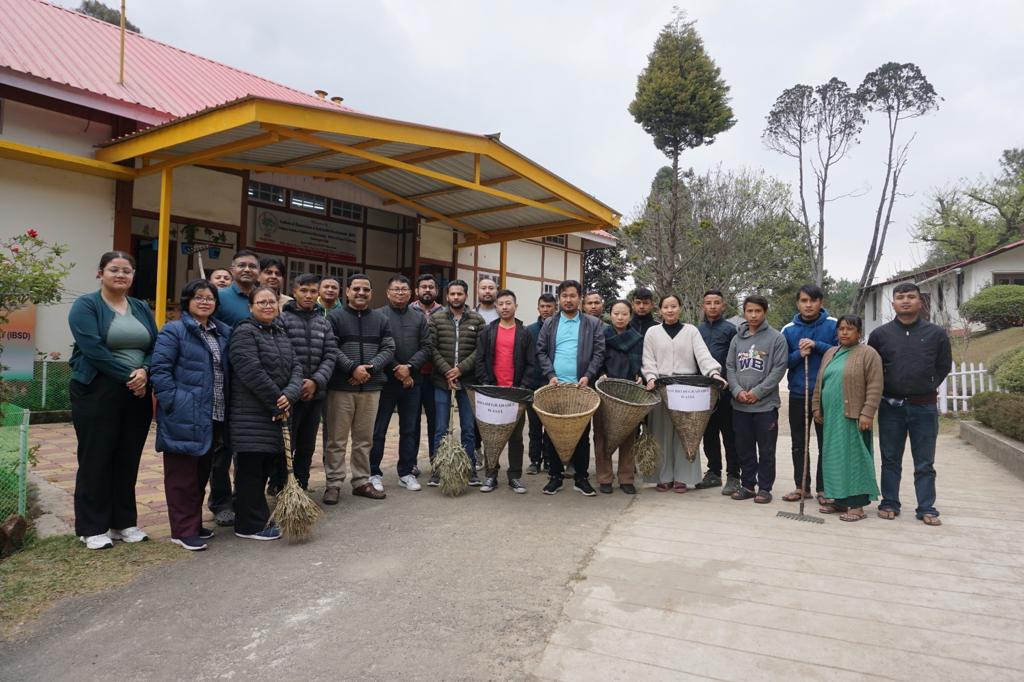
(994, 445)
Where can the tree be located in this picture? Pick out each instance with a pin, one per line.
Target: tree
(817, 126)
(901, 92)
(955, 227)
(1005, 195)
(97, 10)
(604, 270)
(681, 99)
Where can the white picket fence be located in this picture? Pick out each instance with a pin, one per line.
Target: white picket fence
(956, 390)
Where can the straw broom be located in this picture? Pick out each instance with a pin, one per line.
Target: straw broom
(451, 463)
(295, 513)
(645, 451)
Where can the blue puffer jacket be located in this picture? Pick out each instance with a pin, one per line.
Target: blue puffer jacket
(823, 331)
(182, 374)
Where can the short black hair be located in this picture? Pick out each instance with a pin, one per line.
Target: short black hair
(623, 302)
(569, 284)
(905, 287)
(664, 298)
(189, 291)
(401, 279)
(271, 261)
(305, 279)
(353, 277)
(547, 298)
(756, 300)
(213, 272)
(333, 278)
(262, 287)
(714, 292)
(111, 255)
(852, 320)
(487, 278)
(643, 294)
(457, 283)
(591, 292)
(813, 292)
(505, 292)
(245, 253)
(424, 277)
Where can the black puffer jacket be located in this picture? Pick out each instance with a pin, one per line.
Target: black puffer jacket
(263, 366)
(412, 337)
(524, 356)
(454, 344)
(313, 341)
(364, 338)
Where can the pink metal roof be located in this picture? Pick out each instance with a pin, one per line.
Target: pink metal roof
(70, 49)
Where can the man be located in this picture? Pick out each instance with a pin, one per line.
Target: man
(330, 294)
(570, 349)
(593, 304)
(365, 347)
(717, 333)
(809, 335)
(643, 305)
(505, 357)
(233, 301)
(754, 368)
(916, 358)
(546, 305)
(272, 275)
(486, 291)
(453, 335)
(402, 387)
(426, 303)
(313, 340)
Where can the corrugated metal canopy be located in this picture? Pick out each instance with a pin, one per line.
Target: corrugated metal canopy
(473, 183)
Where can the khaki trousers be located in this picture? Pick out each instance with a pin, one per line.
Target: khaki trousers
(603, 458)
(350, 416)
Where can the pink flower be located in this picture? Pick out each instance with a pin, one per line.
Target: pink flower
(15, 248)
(33, 234)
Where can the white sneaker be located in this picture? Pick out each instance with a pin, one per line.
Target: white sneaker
(97, 541)
(377, 482)
(409, 482)
(130, 534)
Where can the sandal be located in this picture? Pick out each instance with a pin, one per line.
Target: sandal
(763, 497)
(852, 516)
(887, 514)
(829, 509)
(824, 501)
(931, 520)
(663, 487)
(678, 487)
(795, 496)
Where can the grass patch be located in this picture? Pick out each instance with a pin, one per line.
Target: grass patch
(46, 571)
(983, 346)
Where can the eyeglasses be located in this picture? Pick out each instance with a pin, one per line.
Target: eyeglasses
(265, 304)
(403, 290)
(121, 271)
(246, 266)
(204, 299)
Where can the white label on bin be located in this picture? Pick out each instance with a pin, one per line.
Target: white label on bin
(685, 398)
(495, 410)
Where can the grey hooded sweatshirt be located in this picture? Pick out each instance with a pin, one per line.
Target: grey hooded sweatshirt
(757, 363)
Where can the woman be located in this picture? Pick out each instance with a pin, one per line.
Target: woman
(221, 278)
(846, 397)
(673, 348)
(189, 374)
(110, 402)
(623, 357)
(266, 379)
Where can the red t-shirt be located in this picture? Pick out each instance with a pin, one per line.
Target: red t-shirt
(504, 352)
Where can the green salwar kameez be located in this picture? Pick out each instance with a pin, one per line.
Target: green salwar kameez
(846, 453)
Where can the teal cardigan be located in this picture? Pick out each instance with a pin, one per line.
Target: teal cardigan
(90, 320)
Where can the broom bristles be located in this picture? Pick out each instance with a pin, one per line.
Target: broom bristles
(646, 452)
(452, 466)
(295, 513)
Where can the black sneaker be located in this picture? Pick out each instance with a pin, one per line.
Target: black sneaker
(606, 488)
(583, 486)
(533, 469)
(628, 488)
(742, 494)
(434, 481)
(205, 533)
(474, 480)
(193, 543)
(710, 480)
(516, 485)
(553, 486)
(489, 484)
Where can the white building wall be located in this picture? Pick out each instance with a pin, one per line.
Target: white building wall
(195, 193)
(30, 125)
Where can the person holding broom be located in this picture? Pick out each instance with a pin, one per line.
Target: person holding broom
(266, 380)
(846, 398)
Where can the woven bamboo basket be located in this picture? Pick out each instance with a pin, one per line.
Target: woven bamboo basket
(624, 404)
(690, 425)
(495, 436)
(565, 410)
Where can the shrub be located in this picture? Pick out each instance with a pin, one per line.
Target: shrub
(1010, 375)
(1003, 412)
(996, 362)
(996, 307)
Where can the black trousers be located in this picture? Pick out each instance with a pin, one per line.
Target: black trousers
(756, 436)
(112, 426)
(580, 457)
(222, 496)
(537, 438)
(720, 424)
(305, 424)
(797, 429)
(408, 403)
(426, 389)
(252, 471)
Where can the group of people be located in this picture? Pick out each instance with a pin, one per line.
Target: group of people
(245, 361)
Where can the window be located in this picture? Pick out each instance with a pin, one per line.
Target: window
(550, 288)
(308, 202)
(874, 305)
(299, 266)
(1008, 277)
(493, 276)
(340, 272)
(942, 296)
(557, 240)
(959, 288)
(347, 211)
(271, 194)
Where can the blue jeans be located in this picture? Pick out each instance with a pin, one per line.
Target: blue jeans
(921, 423)
(408, 403)
(467, 424)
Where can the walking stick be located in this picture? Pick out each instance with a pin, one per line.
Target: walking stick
(805, 482)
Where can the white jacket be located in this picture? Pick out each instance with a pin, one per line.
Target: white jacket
(685, 354)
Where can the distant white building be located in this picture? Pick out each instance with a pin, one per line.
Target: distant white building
(945, 287)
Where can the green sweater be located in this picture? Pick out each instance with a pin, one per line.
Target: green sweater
(90, 320)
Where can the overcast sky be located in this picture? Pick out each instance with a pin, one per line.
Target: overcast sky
(555, 78)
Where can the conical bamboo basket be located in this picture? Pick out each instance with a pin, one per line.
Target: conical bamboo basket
(624, 404)
(690, 425)
(565, 410)
(495, 436)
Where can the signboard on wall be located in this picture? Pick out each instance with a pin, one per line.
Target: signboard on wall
(302, 235)
(18, 337)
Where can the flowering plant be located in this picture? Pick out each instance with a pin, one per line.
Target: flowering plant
(31, 271)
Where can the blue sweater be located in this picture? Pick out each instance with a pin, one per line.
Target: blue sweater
(90, 319)
(823, 331)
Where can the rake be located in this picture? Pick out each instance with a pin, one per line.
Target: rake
(806, 482)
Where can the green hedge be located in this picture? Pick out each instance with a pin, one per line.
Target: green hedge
(1010, 373)
(1003, 412)
(996, 307)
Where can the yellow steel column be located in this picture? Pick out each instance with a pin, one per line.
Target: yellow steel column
(504, 265)
(163, 251)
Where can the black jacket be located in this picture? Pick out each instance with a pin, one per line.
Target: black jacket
(454, 344)
(589, 351)
(263, 366)
(313, 341)
(412, 337)
(623, 353)
(642, 324)
(364, 338)
(717, 336)
(524, 355)
(915, 358)
(537, 379)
